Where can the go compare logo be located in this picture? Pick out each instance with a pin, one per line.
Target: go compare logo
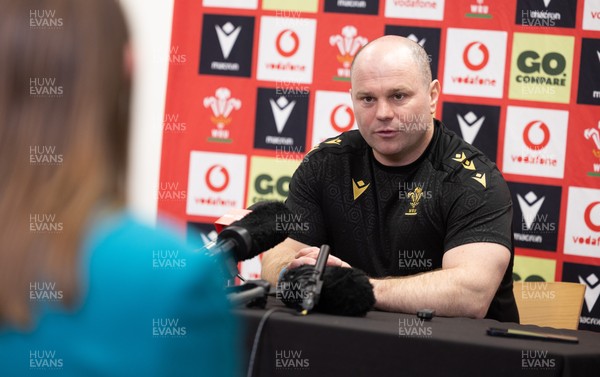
(269, 178)
(541, 67)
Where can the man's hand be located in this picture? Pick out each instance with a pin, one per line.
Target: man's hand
(308, 255)
(291, 254)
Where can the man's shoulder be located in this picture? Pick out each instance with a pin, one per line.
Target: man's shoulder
(347, 143)
(463, 163)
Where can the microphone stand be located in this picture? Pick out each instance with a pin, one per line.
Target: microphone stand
(252, 294)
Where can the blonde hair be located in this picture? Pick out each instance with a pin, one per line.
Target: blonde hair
(64, 99)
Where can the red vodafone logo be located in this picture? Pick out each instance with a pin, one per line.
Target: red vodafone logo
(541, 126)
(587, 216)
(476, 56)
(337, 113)
(217, 178)
(287, 43)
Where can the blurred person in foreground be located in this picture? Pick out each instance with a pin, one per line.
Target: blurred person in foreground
(426, 215)
(85, 289)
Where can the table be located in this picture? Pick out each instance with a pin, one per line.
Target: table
(394, 344)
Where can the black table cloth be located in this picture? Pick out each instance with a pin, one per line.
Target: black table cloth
(394, 344)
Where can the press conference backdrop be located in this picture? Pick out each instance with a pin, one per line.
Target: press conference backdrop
(253, 85)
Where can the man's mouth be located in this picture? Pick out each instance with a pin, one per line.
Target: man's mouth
(386, 132)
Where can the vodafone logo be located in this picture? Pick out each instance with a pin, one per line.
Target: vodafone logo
(286, 50)
(217, 178)
(342, 118)
(535, 142)
(287, 43)
(471, 67)
(587, 216)
(333, 115)
(476, 56)
(216, 183)
(583, 237)
(540, 127)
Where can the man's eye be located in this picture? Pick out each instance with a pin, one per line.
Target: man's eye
(368, 99)
(398, 96)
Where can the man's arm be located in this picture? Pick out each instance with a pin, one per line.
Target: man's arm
(275, 259)
(291, 254)
(464, 287)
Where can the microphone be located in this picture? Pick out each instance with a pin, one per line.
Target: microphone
(345, 291)
(315, 282)
(256, 232)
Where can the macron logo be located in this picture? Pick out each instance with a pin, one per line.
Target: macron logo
(469, 126)
(415, 39)
(598, 53)
(282, 109)
(530, 206)
(592, 290)
(227, 35)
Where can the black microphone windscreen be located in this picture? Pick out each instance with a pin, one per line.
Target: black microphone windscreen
(264, 224)
(345, 291)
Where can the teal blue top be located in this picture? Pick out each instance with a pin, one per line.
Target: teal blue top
(150, 306)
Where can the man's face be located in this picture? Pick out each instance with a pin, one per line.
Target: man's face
(393, 105)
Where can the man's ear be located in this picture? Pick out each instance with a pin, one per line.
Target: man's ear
(434, 95)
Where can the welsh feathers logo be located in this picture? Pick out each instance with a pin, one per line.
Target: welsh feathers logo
(348, 43)
(593, 134)
(479, 10)
(222, 104)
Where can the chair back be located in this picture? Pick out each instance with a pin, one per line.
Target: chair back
(550, 304)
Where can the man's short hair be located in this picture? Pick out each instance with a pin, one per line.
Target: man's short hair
(419, 55)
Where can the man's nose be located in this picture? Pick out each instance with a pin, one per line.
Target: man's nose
(384, 110)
